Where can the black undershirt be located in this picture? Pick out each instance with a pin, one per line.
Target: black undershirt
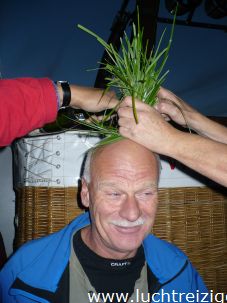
(109, 275)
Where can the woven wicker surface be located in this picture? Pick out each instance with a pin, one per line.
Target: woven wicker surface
(195, 219)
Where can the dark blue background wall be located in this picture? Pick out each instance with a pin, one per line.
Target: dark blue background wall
(40, 38)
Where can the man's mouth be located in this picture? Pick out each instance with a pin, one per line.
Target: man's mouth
(127, 229)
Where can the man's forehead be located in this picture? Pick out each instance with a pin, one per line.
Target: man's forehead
(125, 172)
(123, 150)
(112, 183)
(126, 160)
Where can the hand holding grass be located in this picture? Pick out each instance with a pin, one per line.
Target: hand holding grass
(174, 108)
(152, 131)
(133, 72)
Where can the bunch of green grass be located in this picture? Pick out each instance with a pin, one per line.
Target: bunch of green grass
(133, 72)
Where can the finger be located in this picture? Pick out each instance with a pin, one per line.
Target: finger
(166, 96)
(165, 106)
(140, 105)
(126, 102)
(164, 93)
(125, 112)
(126, 122)
(125, 132)
(128, 113)
(165, 100)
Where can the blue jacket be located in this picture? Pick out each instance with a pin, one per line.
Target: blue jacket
(41, 263)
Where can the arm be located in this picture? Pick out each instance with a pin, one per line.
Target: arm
(28, 103)
(202, 154)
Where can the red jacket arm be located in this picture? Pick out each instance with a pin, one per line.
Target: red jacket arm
(25, 104)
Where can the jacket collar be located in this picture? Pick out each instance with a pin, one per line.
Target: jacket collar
(164, 259)
(50, 262)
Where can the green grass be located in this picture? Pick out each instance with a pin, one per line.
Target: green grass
(132, 72)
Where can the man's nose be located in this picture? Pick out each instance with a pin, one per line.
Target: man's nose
(130, 209)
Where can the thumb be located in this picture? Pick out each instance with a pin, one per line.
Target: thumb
(140, 105)
(126, 102)
(165, 106)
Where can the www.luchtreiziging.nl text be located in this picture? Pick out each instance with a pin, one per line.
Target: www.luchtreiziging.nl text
(159, 297)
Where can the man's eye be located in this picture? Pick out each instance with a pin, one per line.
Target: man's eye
(113, 194)
(148, 193)
(145, 194)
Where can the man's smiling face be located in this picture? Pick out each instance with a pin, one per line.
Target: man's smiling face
(122, 199)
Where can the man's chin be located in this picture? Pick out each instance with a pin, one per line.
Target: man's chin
(128, 248)
(128, 240)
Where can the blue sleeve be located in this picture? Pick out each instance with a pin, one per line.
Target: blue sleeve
(6, 280)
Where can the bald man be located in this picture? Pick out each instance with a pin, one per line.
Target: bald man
(108, 254)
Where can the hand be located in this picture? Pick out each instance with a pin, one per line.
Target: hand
(174, 108)
(152, 131)
(92, 99)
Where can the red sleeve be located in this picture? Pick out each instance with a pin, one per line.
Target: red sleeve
(25, 104)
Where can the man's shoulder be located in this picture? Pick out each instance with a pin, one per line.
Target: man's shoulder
(47, 245)
(164, 259)
(151, 241)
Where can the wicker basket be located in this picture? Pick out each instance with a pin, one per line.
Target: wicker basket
(195, 219)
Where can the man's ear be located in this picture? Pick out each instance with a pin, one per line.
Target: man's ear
(85, 199)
